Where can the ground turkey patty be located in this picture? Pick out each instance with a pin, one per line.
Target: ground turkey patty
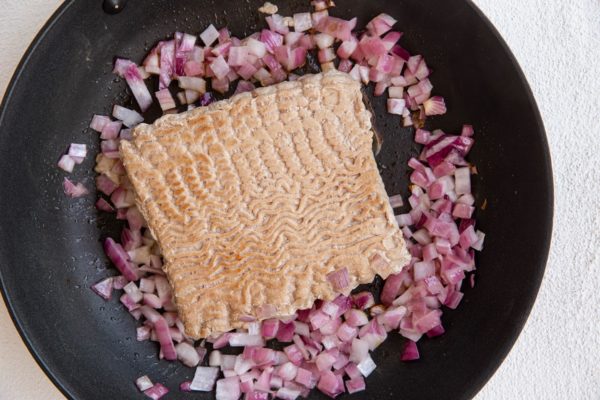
(255, 200)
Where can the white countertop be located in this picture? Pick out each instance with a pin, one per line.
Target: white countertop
(557, 43)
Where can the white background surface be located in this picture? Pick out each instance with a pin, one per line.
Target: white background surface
(557, 43)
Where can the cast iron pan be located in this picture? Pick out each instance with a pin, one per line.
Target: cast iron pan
(50, 246)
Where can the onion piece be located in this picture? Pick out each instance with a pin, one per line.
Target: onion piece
(210, 35)
(336, 27)
(366, 366)
(463, 181)
(187, 354)
(129, 70)
(165, 100)
(355, 384)
(104, 205)
(156, 392)
(339, 279)
(133, 292)
(166, 341)
(98, 122)
(360, 350)
(363, 300)
(77, 150)
(185, 386)
(143, 383)
(347, 47)
(269, 328)
(104, 288)
(302, 22)
(66, 163)
(129, 117)
(380, 24)
(244, 86)
(305, 378)
(285, 331)
(128, 302)
(120, 259)
(228, 389)
(410, 352)
(244, 339)
(277, 24)
(74, 190)
(330, 384)
(111, 130)
(435, 106)
(324, 40)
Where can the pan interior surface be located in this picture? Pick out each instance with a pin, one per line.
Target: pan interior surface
(50, 246)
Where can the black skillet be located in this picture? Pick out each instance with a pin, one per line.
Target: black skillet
(50, 248)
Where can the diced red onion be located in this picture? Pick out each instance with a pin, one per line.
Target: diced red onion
(74, 190)
(347, 47)
(129, 70)
(294, 354)
(228, 389)
(185, 386)
(302, 22)
(355, 384)
(152, 300)
(104, 205)
(462, 181)
(244, 86)
(104, 288)
(98, 122)
(363, 300)
(435, 106)
(366, 366)
(77, 150)
(329, 384)
(380, 24)
(165, 99)
(336, 27)
(119, 257)
(156, 392)
(305, 378)
(187, 354)
(323, 41)
(467, 130)
(143, 383)
(285, 331)
(143, 333)
(66, 163)
(210, 35)
(339, 279)
(166, 341)
(356, 318)
(287, 393)
(111, 130)
(128, 302)
(133, 291)
(395, 106)
(360, 350)
(129, 117)
(410, 352)
(244, 339)
(204, 379)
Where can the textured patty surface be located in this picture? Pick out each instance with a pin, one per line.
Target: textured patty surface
(256, 199)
